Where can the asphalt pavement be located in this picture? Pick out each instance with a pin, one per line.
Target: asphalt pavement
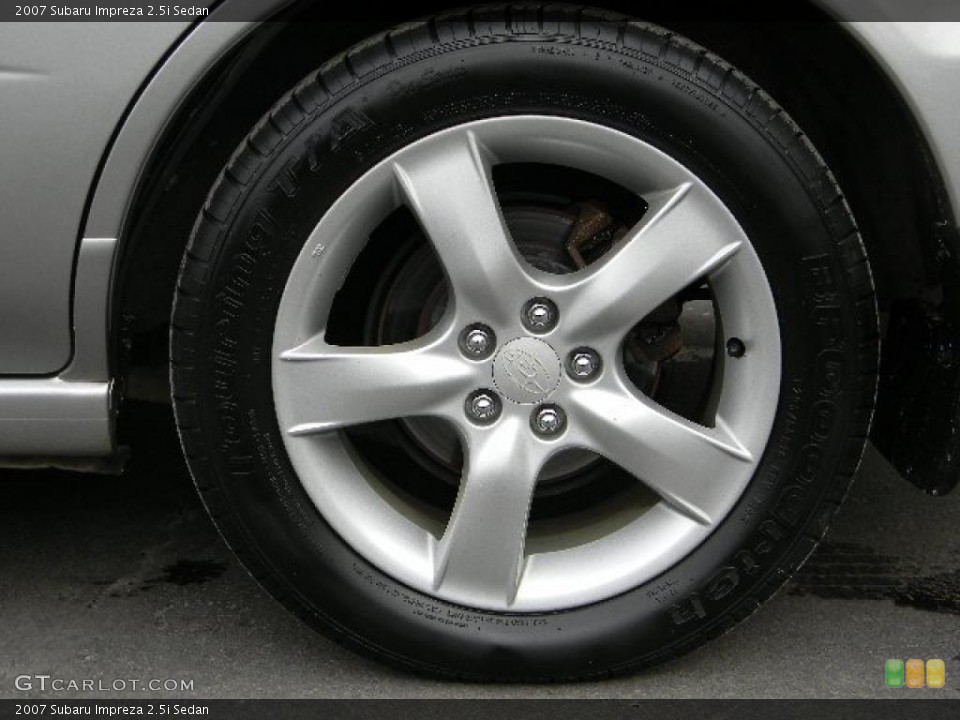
(119, 578)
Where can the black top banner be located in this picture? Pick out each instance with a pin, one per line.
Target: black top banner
(321, 10)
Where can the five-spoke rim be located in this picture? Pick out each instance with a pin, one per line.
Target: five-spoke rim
(569, 388)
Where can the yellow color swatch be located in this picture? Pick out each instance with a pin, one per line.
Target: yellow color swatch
(936, 673)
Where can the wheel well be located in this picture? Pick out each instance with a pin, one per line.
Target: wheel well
(199, 140)
(860, 124)
(814, 68)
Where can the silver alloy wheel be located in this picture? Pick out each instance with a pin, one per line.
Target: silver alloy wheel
(482, 557)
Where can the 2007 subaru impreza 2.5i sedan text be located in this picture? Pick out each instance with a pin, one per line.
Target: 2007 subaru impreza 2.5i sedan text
(527, 342)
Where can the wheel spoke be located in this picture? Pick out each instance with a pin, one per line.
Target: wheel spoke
(449, 188)
(677, 243)
(481, 552)
(687, 464)
(330, 387)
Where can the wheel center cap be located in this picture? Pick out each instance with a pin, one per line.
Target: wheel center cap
(526, 370)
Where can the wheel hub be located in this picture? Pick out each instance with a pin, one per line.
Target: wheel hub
(526, 370)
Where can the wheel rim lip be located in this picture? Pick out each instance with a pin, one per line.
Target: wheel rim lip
(401, 541)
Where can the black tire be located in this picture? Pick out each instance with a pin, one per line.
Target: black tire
(414, 80)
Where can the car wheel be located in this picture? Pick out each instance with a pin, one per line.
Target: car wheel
(524, 345)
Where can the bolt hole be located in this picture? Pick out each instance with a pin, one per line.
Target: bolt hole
(736, 348)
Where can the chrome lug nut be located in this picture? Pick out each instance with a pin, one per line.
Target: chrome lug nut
(540, 315)
(477, 341)
(584, 364)
(548, 420)
(483, 407)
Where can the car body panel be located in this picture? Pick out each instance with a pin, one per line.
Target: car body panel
(923, 60)
(64, 93)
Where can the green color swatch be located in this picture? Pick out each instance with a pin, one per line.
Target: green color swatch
(893, 672)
